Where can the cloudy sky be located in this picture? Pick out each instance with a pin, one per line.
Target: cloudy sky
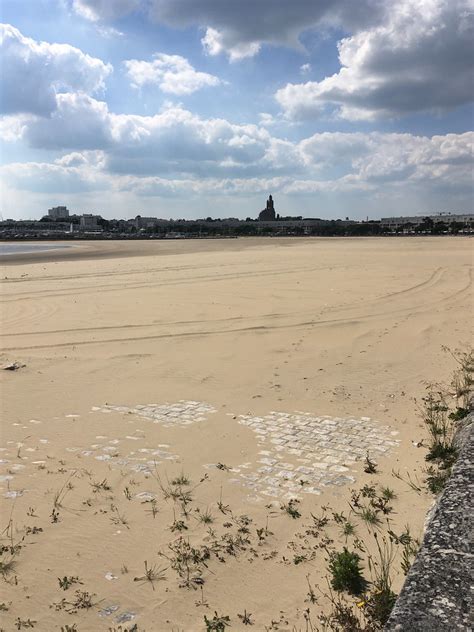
(189, 108)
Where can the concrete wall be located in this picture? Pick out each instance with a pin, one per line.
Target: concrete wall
(437, 595)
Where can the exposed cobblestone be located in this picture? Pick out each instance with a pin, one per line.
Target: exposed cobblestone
(183, 413)
(305, 453)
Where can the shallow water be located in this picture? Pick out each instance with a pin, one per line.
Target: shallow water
(23, 248)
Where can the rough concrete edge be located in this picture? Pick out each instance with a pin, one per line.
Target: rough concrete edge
(437, 594)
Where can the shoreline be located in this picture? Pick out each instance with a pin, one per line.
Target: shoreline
(99, 249)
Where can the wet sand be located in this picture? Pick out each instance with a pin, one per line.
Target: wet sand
(262, 370)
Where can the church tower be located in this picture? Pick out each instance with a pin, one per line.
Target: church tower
(268, 214)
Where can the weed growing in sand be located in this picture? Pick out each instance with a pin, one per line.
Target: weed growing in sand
(187, 561)
(181, 480)
(201, 601)
(69, 628)
(178, 525)
(263, 533)
(370, 466)
(218, 623)
(346, 571)
(60, 495)
(152, 574)
(118, 518)
(462, 381)
(291, 508)
(223, 467)
(246, 618)
(24, 623)
(100, 486)
(225, 509)
(410, 548)
(127, 493)
(416, 487)
(54, 515)
(67, 581)
(205, 517)
(7, 567)
(370, 517)
(82, 601)
(153, 509)
(310, 595)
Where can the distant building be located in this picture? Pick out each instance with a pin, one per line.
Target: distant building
(58, 212)
(148, 222)
(395, 223)
(268, 213)
(89, 222)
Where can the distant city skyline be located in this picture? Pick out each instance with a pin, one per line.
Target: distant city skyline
(196, 108)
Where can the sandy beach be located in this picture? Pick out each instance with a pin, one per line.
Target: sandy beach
(182, 393)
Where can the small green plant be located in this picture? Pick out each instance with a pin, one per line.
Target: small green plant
(436, 479)
(181, 480)
(310, 595)
(223, 467)
(370, 516)
(187, 561)
(154, 508)
(118, 518)
(370, 466)
(346, 572)
(24, 623)
(7, 567)
(82, 601)
(348, 529)
(246, 618)
(218, 623)
(100, 486)
(205, 517)
(291, 508)
(152, 574)
(388, 493)
(66, 582)
(178, 525)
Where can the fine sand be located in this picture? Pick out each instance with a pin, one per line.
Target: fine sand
(254, 371)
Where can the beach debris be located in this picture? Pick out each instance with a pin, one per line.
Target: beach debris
(13, 366)
(146, 496)
(417, 444)
(110, 576)
(106, 612)
(125, 616)
(13, 494)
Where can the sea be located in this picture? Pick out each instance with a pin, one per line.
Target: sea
(24, 248)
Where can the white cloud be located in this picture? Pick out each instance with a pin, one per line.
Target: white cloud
(176, 145)
(214, 44)
(305, 69)
(173, 74)
(77, 122)
(420, 58)
(33, 73)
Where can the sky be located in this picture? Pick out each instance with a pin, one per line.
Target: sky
(196, 108)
